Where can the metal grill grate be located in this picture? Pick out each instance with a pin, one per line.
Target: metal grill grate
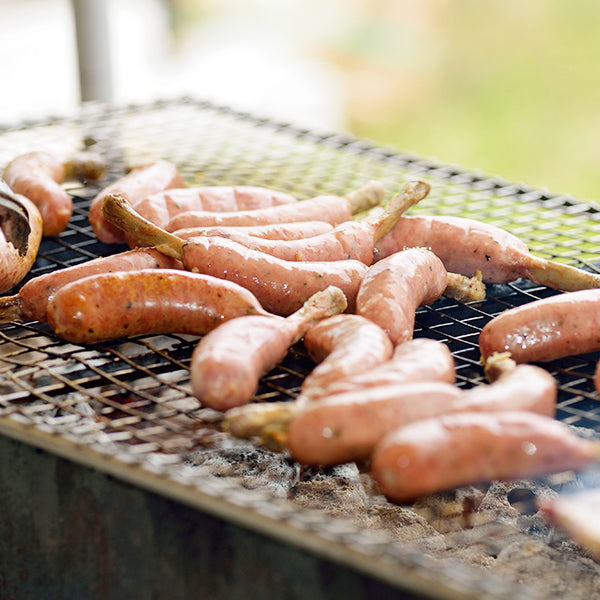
(130, 399)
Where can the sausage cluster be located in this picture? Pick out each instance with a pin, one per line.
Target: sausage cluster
(253, 271)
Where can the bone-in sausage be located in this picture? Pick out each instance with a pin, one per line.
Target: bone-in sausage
(450, 451)
(281, 286)
(332, 209)
(15, 263)
(276, 231)
(161, 207)
(135, 186)
(396, 286)
(343, 345)
(150, 301)
(467, 245)
(227, 364)
(37, 176)
(346, 427)
(349, 240)
(554, 327)
(32, 299)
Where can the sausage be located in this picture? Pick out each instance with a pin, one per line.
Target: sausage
(161, 207)
(597, 378)
(418, 359)
(135, 186)
(332, 209)
(576, 515)
(17, 258)
(467, 245)
(442, 453)
(32, 299)
(108, 306)
(348, 240)
(38, 177)
(542, 330)
(342, 345)
(276, 231)
(227, 364)
(346, 427)
(396, 286)
(85, 166)
(281, 286)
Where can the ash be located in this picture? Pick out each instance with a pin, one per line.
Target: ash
(493, 529)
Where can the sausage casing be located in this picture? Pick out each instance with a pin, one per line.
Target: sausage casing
(562, 325)
(446, 452)
(150, 301)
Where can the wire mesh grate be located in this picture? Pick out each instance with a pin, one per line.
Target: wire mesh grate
(131, 398)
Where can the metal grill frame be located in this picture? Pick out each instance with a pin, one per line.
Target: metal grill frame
(124, 408)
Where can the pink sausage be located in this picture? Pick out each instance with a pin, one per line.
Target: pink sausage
(276, 231)
(547, 329)
(227, 364)
(38, 176)
(347, 426)
(281, 286)
(161, 207)
(343, 345)
(442, 453)
(135, 186)
(419, 359)
(396, 286)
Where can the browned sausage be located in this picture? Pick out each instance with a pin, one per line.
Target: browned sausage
(396, 286)
(134, 186)
(349, 240)
(343, 345)
(17, 257)
(467, 245)
(446, 452)
(547, 329)
(276, 231)
(38, 176)
(161, 207)
(332, 209)
(227, 364)
(32, 299)
(108, 306)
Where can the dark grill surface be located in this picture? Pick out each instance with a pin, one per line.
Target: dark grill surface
(130, 401)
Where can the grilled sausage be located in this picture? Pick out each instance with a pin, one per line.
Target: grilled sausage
(135, 186)
(346, 427)
(418, 359)
(349, 240)
(342, 345)
(38, 177)
(227, 364)
(442, 453)
(554, 327)
(332, 209)
(32, 299)
(467, 245)
(276, 231)
(396, 286)
(108, 306)
(16, 259)
(161, 207)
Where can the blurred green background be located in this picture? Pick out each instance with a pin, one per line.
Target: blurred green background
(507, 87)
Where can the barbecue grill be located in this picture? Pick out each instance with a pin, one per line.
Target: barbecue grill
(116, 483)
